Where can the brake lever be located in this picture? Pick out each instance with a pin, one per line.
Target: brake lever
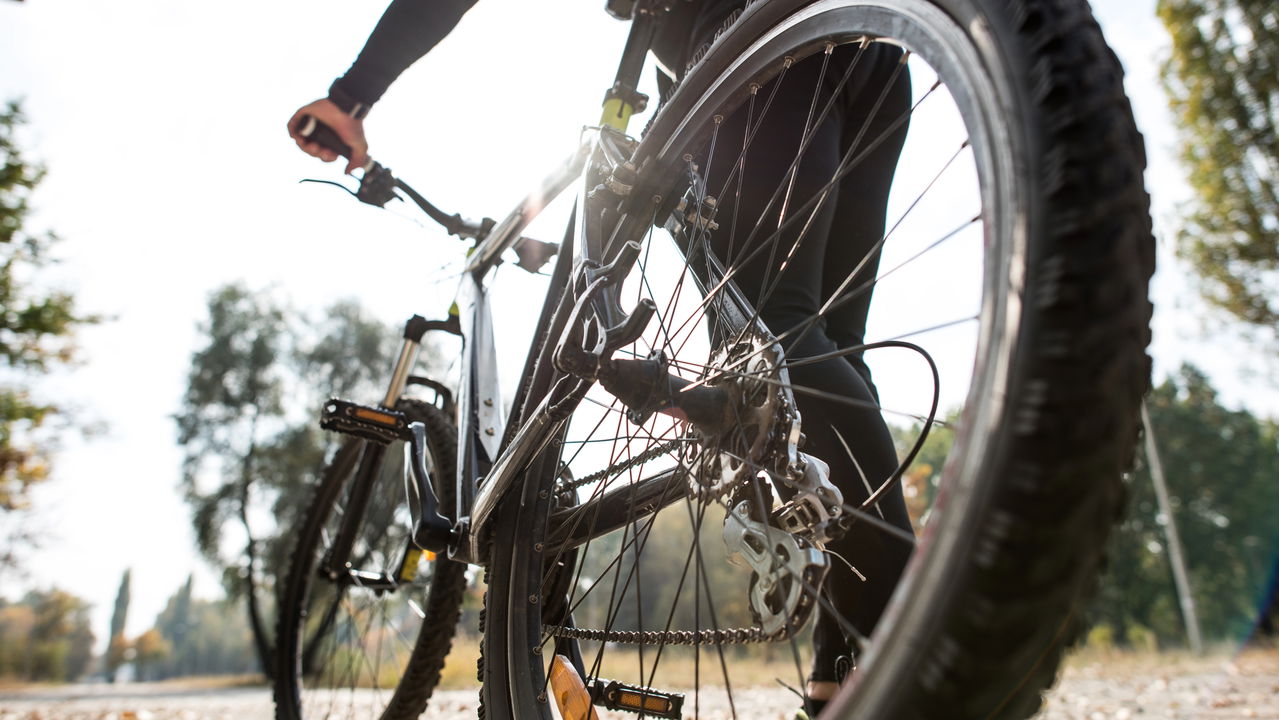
(378, 186)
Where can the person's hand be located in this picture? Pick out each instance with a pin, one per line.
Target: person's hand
(348, 128)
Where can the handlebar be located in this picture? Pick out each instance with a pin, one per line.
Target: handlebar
(309, 128)
(378, 187)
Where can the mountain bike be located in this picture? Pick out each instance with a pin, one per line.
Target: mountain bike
(651, 530)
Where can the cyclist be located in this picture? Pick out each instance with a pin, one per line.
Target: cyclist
(843, 235)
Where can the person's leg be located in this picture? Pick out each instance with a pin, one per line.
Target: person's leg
(859, 225)
(785, 277)
(879, 97)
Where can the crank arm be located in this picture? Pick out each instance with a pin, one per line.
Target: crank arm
(431, 531)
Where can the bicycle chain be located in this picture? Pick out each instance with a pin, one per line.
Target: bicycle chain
(618, 468)
(729, 636)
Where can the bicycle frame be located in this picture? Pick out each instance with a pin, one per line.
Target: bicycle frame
(487, 467)
(483, 426)
(494, 453)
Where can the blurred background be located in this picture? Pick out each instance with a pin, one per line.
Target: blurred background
(154, 238)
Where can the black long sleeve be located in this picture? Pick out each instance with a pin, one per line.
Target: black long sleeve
(407, 31)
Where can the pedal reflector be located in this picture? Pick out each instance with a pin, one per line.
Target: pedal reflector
(376, 424)
(570, 692)
(408, 568)
(376, 416)
(613, 695)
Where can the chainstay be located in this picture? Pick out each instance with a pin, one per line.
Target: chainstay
(729, 636)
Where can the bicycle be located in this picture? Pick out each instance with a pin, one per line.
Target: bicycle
(669, 434)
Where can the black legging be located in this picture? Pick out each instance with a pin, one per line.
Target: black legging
(844, 232)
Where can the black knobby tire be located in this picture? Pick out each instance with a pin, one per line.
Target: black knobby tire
(1028, 555)
(338, 681)
(1011, 547)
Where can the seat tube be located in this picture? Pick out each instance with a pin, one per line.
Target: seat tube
(623, 99)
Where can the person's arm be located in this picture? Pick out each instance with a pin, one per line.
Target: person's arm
(407, 31)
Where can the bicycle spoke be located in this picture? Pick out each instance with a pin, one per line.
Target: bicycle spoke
(823, 196)
(838, 297)
(861, 474)
(846, 167)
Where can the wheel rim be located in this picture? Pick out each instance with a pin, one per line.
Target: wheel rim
(355, 642)
(926, 32)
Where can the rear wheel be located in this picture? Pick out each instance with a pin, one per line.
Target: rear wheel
(368, 651)
(1015, 256)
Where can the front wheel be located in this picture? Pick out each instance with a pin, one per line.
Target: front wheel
(670, 566)
(348, 647)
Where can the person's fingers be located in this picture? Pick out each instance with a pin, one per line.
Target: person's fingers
(348, 129)
(307, 147)
(294, 122)
(317, 150)
(358, 160)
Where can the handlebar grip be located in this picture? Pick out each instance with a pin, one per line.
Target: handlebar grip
(312, 129)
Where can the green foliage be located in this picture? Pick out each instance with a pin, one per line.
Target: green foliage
(234, 390)
(117, 652)
(197, 637)
(1223, 82)
(1101, 637)
(175, 624)
(149, 650)
(649, 582)
(46, 636)
(253, 450)
(232, 405)
(922, 479)
(1221, 466)
(36, 323)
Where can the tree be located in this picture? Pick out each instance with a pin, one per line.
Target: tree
(119, 654)
(174, 624)
(45, 637)
(247, 424)
(117, 651)
(1221, 466)
(16, 623)
(36, 324)
(1267, 630)
(922, 478)
(202, 637)
(149, 649)
(1223, 82)
(232, 403)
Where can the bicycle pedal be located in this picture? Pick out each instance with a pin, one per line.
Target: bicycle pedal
(370, 423)
(614, 695)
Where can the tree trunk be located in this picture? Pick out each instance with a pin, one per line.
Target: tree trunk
(261, 640)
(266, 653)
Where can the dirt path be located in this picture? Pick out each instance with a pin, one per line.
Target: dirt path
(1168, 688)
(1110, 688)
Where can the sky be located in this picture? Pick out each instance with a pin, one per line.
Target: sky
(162, 126)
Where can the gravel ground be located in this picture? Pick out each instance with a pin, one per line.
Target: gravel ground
(1168, 688)
(1095, 688)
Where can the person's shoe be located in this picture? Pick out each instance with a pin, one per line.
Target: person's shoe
(811, 707)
